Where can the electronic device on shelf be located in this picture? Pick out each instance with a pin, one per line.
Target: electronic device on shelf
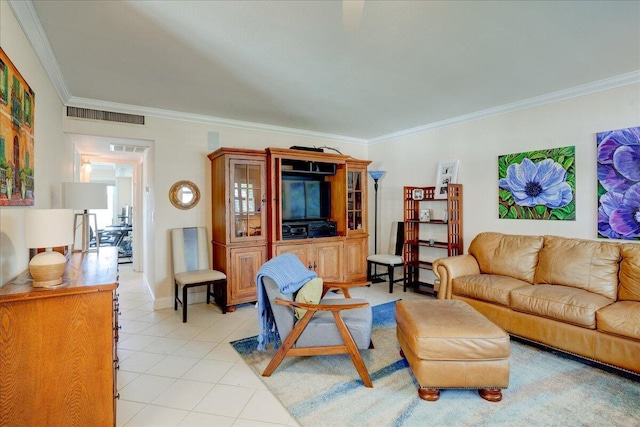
(308, 229)
(295, 231)
(305, 199)
(322, 229)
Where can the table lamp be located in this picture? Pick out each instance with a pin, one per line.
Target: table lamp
(48, 228)
(84, 196)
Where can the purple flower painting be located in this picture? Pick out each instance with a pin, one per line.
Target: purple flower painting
(537, 184)
(619, 184)
(542, 183)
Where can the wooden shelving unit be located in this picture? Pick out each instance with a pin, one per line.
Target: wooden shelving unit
(239, 220)
(426, 241)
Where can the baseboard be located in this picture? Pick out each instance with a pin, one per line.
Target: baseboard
(147, 285)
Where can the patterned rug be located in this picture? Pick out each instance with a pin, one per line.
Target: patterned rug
(545, 389)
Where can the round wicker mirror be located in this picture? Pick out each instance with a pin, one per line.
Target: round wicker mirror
(184, 194)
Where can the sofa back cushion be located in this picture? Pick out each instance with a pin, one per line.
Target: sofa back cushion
(506, 254)
(585, 264)
(630, 273)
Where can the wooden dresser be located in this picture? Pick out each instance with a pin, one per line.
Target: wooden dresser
(58, 354)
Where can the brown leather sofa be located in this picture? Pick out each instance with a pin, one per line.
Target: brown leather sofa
(579, 296)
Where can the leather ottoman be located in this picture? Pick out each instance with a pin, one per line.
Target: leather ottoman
(448, 344)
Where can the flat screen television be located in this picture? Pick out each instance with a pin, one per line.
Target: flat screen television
(305, 199)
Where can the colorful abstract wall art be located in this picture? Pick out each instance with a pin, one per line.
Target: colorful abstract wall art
(17, 104)
(619, 184)
(537, 185)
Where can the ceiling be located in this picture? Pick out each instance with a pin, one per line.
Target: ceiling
(290, 64)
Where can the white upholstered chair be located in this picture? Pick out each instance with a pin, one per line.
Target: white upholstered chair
(190, 250)
(392, 259)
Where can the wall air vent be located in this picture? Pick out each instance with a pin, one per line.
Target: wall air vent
(120, 148)
(109, 116)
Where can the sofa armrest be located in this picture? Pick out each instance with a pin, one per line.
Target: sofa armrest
(449, 268)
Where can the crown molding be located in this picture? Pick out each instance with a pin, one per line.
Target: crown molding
(597, 86)
(210, 120)
(28, 19)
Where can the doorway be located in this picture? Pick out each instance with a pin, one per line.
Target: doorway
(122, 165)
(116, 223)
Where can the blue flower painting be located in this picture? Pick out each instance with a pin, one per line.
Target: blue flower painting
(619, 184)
(537, 185)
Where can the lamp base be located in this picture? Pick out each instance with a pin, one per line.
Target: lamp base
(47, 269)
(85, 220)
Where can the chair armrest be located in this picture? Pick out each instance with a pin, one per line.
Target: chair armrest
(321, 307)
(344, 286)
(449, 268)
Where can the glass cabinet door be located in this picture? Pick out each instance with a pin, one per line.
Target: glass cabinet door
(248, 196)
(355, 200)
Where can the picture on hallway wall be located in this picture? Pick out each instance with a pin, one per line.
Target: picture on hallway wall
(17, 106)
(619, 184)
(537, 184)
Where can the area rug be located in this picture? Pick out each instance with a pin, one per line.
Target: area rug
(545, 389)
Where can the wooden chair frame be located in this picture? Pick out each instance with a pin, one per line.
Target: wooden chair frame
(349, 347)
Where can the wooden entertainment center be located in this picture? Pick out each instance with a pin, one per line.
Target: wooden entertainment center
(274, 201)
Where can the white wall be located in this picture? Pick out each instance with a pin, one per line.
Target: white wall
(125, 194)
(179, 152)
(53, 159)
(413, 160)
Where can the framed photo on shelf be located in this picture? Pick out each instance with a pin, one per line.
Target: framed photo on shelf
(447, 174)
(417, 194)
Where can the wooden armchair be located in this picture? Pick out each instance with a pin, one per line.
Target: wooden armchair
(334, 326)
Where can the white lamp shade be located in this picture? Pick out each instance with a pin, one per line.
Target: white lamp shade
(84, 195)
(48, 228)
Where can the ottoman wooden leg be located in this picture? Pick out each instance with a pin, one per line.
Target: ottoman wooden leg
(429, 394)
(491, 394)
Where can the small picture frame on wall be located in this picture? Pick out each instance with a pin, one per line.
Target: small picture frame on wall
(447, 174)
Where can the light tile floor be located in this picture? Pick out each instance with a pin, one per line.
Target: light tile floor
(187, 374)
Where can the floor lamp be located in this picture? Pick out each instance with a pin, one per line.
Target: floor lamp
(84, 196)
(376, 175)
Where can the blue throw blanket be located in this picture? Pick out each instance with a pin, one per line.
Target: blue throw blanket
(289, 274)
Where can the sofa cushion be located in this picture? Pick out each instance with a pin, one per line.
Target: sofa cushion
(487, 287)
(507, 255)
(564, 303)
(629, 289)
(584, 264)
(620, 318)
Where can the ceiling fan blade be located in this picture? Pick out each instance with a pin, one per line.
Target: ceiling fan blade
(351, 14)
